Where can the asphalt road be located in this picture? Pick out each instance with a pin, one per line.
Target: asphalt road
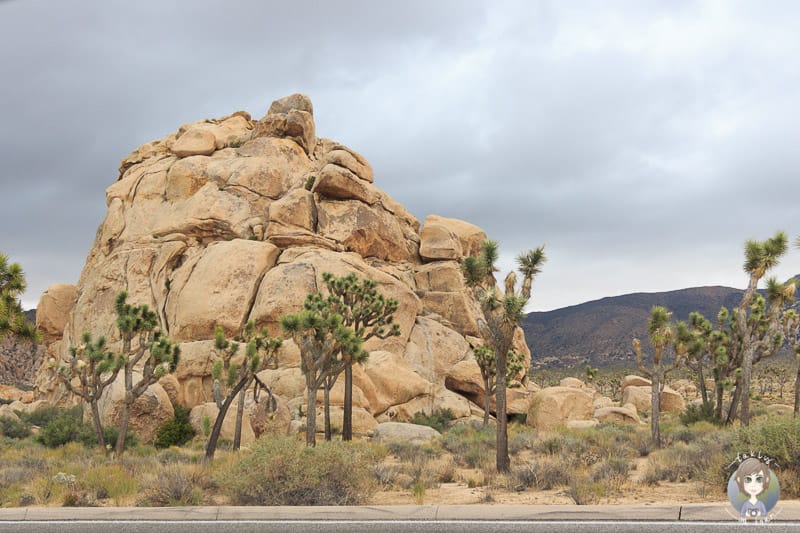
(345, 526)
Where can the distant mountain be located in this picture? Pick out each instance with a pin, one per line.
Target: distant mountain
(600, 332)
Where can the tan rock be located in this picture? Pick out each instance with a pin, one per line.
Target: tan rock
(603, 401)
(440, 276)
(403, 432)
(149, 412)
(352, 161)
(296, 210)
(363, 422)
(196, 141)
(340, 183)
(672, 401)
(582, 424)
(220, 287)
(395, 382)
(458, 308)
(449, 238)
(209, 411)
(299, 272)
(639, 396)
(369, 231)
(617, 414)
(291, 117)
(53, 310)
(465, 379)
(634, 381)
(270, 422)
(554, 406)
(433, 349)
(286, 382)
(572, 382)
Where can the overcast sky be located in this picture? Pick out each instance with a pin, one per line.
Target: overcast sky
(642, 142)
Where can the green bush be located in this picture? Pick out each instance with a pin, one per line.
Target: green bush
(62, 427)
(13, 428)
(462, 438)
(696, 413)
(280, 470)
(41, 417)
(177, 431)
(776, 437)
(438, 420)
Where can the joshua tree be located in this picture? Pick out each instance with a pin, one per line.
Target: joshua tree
(140, 337)
(502, 314)
(260, 351)
(760, 257)
(95, 368)
(12, 318)
(321, 335)
(487, 362)
(662, 334)
(791, 328)
(368, 314)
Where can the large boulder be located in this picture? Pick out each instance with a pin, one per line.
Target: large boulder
(640, 396)
(149, 412)
(54, 308)
(449, 238)
(229, 220)
(404, 432)
(553, 406)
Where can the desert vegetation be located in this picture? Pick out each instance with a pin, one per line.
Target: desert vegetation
(58, 463)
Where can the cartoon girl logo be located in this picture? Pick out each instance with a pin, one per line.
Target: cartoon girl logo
(753, 490)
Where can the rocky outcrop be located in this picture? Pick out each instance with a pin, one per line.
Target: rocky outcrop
(553, 406)
(232, 219)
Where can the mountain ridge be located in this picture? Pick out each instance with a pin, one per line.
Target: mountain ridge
(600, 332)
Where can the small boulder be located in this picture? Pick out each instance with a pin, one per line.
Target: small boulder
(196, 141)
(403, 432)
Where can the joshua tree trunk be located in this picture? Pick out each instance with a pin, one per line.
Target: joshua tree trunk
(702, 383)
(797, 390)
(237, 436)
(747, 379)
(655, 406)
(737, 396)
(311, 412)
(347, 417)
(98, 427)
(488, 401)
(503, 460)
(212, 440)
(327, 406)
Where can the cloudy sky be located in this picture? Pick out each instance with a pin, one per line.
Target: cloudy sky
(642, 142)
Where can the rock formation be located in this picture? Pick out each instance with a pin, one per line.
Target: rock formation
(235, 219)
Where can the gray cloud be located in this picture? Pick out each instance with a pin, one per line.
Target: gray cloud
(642, 141)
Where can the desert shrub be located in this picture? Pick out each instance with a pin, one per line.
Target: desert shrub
(63, 427)
(777, 437)
(520, 438)
(439, 420)
(468, 443)
(281, 471)
(14, 428)
(413, 452)
(175, 432)
(109, 481)
(696, 413)
(173, 485)
(545, 473)
(44, 415)
(584, 491)
(612, 473)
